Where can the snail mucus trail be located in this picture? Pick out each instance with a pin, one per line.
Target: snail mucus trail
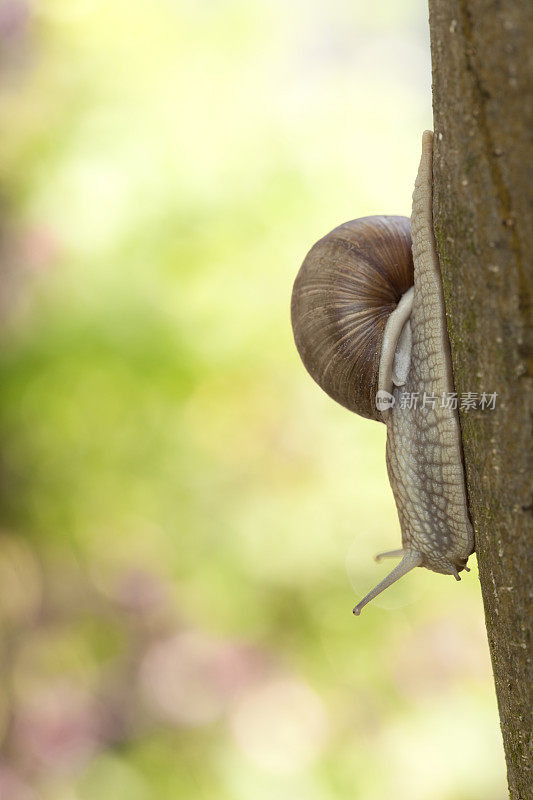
(369, 323)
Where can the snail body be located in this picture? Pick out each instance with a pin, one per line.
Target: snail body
(369, 323)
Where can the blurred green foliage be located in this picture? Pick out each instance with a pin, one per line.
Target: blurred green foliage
(182, 510)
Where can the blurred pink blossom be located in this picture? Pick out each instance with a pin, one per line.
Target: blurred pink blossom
(176, 679)
(140, 592)
(12, 787)
(236, 666)
(14, 19)
(39, 248)
(190, 678)
(57, 729)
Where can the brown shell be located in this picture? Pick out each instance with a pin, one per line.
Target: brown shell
(349, 283)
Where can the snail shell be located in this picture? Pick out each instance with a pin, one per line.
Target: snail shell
(347, 287)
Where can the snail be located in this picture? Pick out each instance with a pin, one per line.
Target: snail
(369, 324)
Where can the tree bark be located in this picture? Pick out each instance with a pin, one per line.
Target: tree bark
(483, 218)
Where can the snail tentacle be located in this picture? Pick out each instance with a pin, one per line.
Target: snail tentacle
(410, 560)
(389, 554)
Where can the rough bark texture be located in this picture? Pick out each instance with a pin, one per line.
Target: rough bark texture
(483, 218)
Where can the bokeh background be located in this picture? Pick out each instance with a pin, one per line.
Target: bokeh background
(186, 520)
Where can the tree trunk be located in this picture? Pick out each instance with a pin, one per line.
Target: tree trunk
(483, 218)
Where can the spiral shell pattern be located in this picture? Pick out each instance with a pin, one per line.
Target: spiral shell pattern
(347, 287)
